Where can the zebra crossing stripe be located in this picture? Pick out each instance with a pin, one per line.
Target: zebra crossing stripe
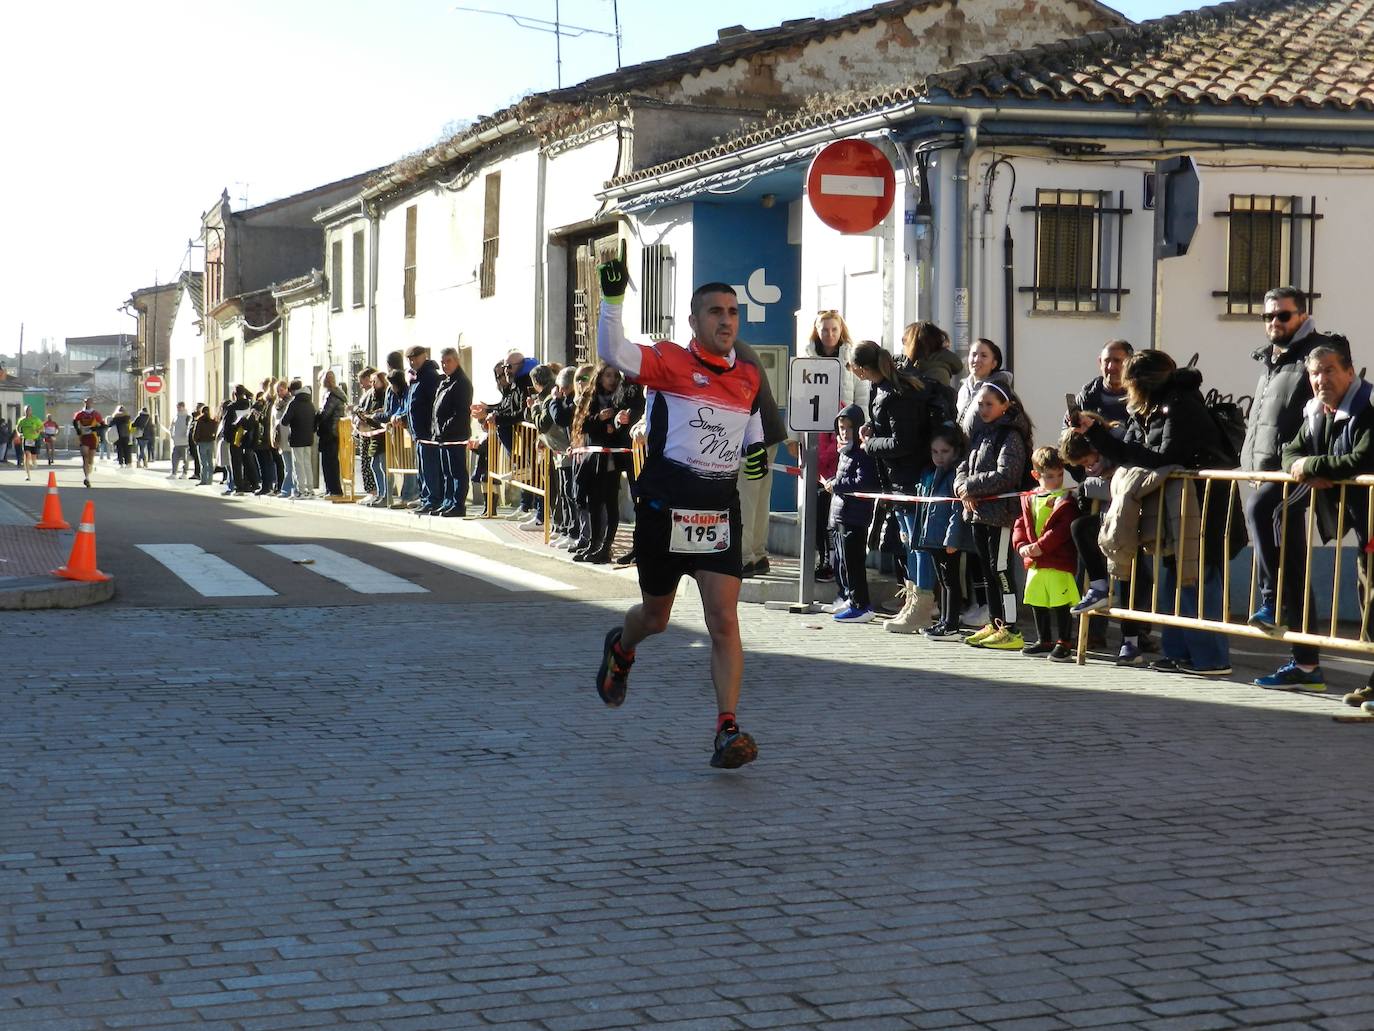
(352, 573)
(507, 577)
(208, 575)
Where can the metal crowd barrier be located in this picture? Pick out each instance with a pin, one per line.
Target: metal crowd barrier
(1322, 629)
(347, 459)
(400, 456)
(528, 466)
(639, 451)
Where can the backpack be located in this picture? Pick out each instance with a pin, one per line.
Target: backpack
(1229, 414)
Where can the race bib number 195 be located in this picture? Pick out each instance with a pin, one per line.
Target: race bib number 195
(699, 533)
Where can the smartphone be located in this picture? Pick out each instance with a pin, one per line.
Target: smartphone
(1071, 405)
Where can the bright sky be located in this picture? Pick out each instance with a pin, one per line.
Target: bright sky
(124, 121)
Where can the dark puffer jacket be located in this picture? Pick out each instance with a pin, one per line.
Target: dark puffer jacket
(1282, 391)
(996, 463)
(1178, 430)
(452, 418)
(900, 445)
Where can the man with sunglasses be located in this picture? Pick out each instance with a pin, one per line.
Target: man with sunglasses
(1276, 415)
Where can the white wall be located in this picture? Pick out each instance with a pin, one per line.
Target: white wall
(348, 327)
(307, 338)
(449, 310)
(185, 356)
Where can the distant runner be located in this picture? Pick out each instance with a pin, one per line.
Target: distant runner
(89, 425)
(29, 428)
(702, 413)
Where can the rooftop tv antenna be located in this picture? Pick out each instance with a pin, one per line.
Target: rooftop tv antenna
(558, 28)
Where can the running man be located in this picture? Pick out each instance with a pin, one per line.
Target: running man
(702, 413)
(29, 428)
(89, 425)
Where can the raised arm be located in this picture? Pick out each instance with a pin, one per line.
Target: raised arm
(611, 345)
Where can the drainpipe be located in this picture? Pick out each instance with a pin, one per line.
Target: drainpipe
(963, 233)
(374, 225)
(540, 268)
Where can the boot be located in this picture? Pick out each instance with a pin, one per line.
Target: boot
(915, 614)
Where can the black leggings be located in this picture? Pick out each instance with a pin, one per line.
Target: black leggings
(949, 584)
(994, 556)
(1059, 615)
(602, 509)
(1083, 530)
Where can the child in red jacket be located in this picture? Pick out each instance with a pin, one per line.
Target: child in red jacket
(1042, 539)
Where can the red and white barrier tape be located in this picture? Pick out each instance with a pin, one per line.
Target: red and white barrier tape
(915, 499)
(790, 470)
(596, 450)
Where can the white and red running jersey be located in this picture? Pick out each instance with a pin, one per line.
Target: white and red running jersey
(701, 411)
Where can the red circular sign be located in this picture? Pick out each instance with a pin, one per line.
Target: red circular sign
(152, 384)
(851, 186)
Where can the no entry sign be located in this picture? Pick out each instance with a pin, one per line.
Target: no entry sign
(152, 384)
(851, 186)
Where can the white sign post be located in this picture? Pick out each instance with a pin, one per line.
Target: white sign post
(813, 402)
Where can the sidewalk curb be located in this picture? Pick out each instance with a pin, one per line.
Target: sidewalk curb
(39, 592)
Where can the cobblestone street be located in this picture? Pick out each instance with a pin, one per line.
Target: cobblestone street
(300, 818)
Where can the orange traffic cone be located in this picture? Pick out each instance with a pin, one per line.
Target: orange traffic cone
(81, 563)
(52, 508)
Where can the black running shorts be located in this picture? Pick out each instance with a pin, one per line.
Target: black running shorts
(661, 569)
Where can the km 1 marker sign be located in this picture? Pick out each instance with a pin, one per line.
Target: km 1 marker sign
(851, 186)
(813, 394)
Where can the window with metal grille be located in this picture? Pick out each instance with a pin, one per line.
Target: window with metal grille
(1266, 247)
(1078, 250)
(336, 276)
(656, 292)
(408, 287)
(491, 234)
(359, 270)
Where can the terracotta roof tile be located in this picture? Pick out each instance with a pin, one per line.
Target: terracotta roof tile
(1316, 54)
(1309, 53)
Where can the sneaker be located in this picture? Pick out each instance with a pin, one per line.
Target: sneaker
(1004, 639)
(943, 632)
(1367, 708)
(1038, 648)
(840, 604)
(1129, 654)
(824, 574)
(854, 615)
(1289, 677)
(733, 748)
(1360, 695)
(976, 638)
(1061, 652)
(1095, 600)
(748, 570)
(1165, 666)
(761, 567)
(1264, 618)
(974, 615)
(613, 677)
(532, 523)
(519, 514)
(1209, 671)
(628, 559)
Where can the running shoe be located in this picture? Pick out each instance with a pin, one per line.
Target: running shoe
(976, 638)
(1038, 648)
(733, 747)
(1265, 619)
(1004, 639)
(1166, 665)
(943, 632)
(613, 678)
(1129, 654)
(1095, 600)
(1061, 652)
(854, 615)
(1209, 671)
(1291, 677)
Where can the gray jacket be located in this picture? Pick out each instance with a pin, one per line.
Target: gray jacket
(990, 469)
(1282, 391)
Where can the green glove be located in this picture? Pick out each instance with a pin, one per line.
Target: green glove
(615, 280)
(755, 462)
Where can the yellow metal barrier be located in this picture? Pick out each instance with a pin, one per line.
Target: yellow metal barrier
(528, 465)
(400, 456)
(639, 451)
(347, 459)
(1191, 560)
